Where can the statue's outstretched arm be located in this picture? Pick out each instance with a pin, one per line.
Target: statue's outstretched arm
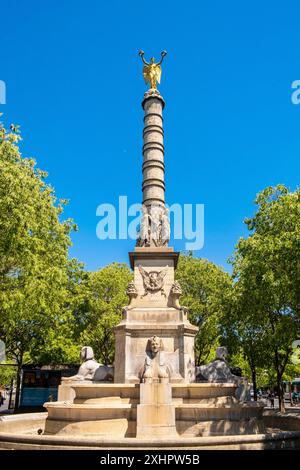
(163, 54)
(141, 54)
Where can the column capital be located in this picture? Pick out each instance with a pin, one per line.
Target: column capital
(153, 93)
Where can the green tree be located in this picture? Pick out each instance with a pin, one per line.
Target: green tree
(267, 272)
(243, 333)
(7, 374)
(62, 343)
(103, 297)
(33, 255)
(204, 287)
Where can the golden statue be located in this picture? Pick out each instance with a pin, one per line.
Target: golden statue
(152, 71)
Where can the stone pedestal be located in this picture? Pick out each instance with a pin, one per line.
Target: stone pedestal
(156, 412)
(154, 313)
(65, 391)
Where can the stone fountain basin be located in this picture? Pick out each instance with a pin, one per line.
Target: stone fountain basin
(20, 432)
(201, 409)
(103, 416)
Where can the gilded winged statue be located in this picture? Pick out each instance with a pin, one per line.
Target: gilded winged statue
(151, 70)
(153, 280)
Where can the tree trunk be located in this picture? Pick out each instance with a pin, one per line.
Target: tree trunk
(280, 393)
(18, 385)
(11, 393)
(251, 362)
(253, 374)
(279, 373)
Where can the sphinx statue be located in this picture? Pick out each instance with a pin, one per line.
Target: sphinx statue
(219, 371)
(155, 368)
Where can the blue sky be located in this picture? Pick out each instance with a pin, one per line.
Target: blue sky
(74, 84)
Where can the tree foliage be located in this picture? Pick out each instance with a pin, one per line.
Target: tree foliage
(33, 254)
(8, 373)
(103, 296)
(205, 287)
(267, 272)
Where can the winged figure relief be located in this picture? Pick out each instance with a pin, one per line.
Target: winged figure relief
(153, 280)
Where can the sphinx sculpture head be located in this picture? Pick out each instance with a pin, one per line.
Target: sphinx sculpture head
(86, 353)
(155, 368)
(222, 354)
(155, 345)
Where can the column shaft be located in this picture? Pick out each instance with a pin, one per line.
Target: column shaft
(153, 152)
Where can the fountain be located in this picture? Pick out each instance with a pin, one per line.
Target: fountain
(154, 400)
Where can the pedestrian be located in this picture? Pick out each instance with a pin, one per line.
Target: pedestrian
(1, 399)
(295, 398)
(271, 398)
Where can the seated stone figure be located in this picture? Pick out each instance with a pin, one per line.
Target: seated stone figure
(155, 368)
(219, 371)
(90, 369)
